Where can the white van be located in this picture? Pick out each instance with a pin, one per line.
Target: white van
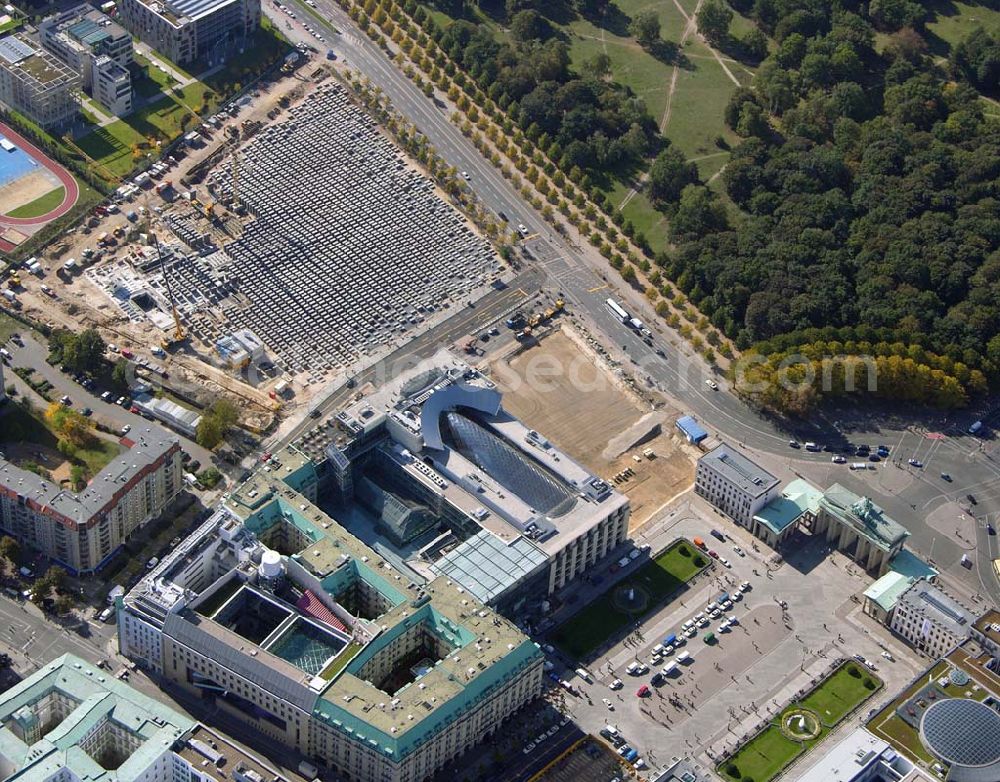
(669, 668)
(812, 447)
(683, 657)
(584, 674)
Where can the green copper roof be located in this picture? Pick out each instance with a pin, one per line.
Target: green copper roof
(797, 498)
(38, 747)
(886, 591)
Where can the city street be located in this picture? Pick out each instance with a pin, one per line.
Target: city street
(752, 670)
(32, 356)
(585, 281)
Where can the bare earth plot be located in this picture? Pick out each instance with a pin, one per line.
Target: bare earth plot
(567, 395)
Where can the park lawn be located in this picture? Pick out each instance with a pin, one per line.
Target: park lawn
(639, 210)
(631, 65)
(111, 146)
(697, 112)
(268, 47)
(600, 620)
(30, 427)
(26, 427)
(672, 21)
(841, 693)
(41, 205)
(952, 21)
(762, 757)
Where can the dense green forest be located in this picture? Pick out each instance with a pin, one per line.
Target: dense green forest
(867, 186)
(860, 208)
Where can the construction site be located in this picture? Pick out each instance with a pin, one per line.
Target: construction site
(274, 252)
(562, 385)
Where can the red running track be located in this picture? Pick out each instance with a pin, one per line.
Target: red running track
(72, 192)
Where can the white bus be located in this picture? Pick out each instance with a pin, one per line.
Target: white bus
(616, 309)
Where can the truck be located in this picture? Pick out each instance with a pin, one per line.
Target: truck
(308, 770)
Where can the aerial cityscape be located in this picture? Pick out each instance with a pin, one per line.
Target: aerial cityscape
(499, 391)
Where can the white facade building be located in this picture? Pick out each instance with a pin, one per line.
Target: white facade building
(732, 483)
(930, 619)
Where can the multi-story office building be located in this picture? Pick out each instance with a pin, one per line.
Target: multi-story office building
(188, 30)
(82, 530)
(97, 48)
(464, 489)
(37, 84)
(72, 721)
(277, 616)
(930, 619)
(734, 484)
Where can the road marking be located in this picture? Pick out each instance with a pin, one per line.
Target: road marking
(598, 288)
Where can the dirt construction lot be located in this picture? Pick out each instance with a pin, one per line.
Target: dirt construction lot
(565, 392)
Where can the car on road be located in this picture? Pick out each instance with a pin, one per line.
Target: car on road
(839, 460)
(522, 229)
(106, 396)
(794, 444)
(465, 176)
(874, 457)
(153, 562)
(745, 586)
(739, 551)
(712, 384)
(971, 498)
(725, 562)
(642, 692)
(946, 477)
(717, 534)
(617, 684)
(914, 463)
(87, 412)
(66, 400)
(990, 529)
(125, 429)
(888, 657)
(608, 703)
(528, 747)
(121, 401)
(713, 554)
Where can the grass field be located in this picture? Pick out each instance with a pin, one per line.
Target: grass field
(764, 756)
(120, 146)
(658, 578)
(840, 693)
(41, 205)
(951, 21)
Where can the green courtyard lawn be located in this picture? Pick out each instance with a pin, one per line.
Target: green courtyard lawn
(762, 758)
(22, 427)
(841, 693)
(41, 205)
(768, 753)
(658, 579)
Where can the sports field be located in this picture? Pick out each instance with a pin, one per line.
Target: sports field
(655, 581)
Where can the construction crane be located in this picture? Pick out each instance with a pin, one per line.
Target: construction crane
(178, 335)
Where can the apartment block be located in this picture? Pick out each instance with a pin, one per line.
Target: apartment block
(81, 531)
(35, 83)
